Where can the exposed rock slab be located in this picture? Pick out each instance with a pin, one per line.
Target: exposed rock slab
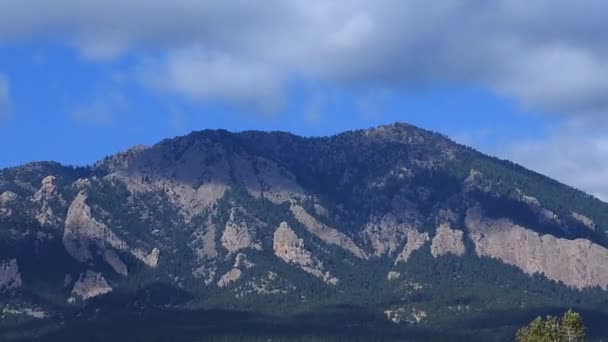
(45, 197)
(447, 241)
(82, 231)
(240, 263)
(237, 235)
(90, 285)
(83, 234)
(10, 278)
(151, 259)
(415, 241)
(392, 275)
(543, 213)
(386, 234)
(230, 277)
(326, 233)
(7, 199)
(289, 248)
(577, 263)
(587, 222)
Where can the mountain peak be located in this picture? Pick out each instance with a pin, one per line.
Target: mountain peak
(255, 220)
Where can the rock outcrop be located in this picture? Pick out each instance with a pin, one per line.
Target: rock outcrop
(7, 199)
(90, 285)
(386, 234)
(151, 259)
(577, 263)
(289, 248)
(240, 263)
(10, 278)
(82, 232)
(230, 277)
(543, 213)
(45, 197)
(415, 240)
(326, 233)
(392, 275)
(238, 235)
(447, 241)
(587, 222)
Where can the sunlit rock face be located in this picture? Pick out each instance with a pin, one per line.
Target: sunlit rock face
(447, 241)
(415, 240)
(83, 231)
(579, 263)
(90, 285)
(46, 198)
(289, 248)
(328, 234)
(238, 234)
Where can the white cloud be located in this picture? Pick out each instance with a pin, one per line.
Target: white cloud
(204, 76)
(5, 99)
(575, 153)
(548, 55)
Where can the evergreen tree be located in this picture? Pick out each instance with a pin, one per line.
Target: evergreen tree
(572, 328)
(569, 328)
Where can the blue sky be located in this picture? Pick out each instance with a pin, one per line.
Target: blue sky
(81, 81)
(51, 82)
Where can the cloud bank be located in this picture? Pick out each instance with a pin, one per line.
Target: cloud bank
(547, 55)
(573, 153)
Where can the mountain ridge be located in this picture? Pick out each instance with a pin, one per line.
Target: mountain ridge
(396, 219)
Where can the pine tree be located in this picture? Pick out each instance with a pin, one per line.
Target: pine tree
(572, 328)
(569, 328)
(540, 330)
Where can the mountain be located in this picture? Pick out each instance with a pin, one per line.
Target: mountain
(393, 232)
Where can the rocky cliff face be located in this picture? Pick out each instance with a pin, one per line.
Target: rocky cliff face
(383, 215)
(578, 263)
(90, 285)
(328, 234)
(447, 241)
(82, 231)
(238, 235)
(289, 248)
(415, 240)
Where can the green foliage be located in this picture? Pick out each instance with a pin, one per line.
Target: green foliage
(572, 327)
(569, 328)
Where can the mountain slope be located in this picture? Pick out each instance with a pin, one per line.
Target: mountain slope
(395, 220)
